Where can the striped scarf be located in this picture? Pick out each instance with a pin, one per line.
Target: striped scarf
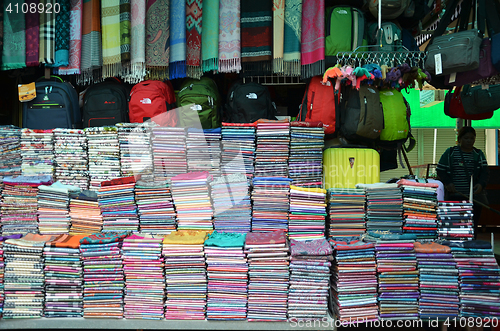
(47, 51)
(157, 38)
(91, 43)
(178, 39)
(138, 42)
(125, 32)
(32, 36)
(193, 38)
(278, 35)
(312, 38)
(62, 34)
(291, 52)
(229, 36)
(111, 52)
(75, 41)
(210, 36)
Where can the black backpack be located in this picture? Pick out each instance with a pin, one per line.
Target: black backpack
(106, 103)
(249, 102)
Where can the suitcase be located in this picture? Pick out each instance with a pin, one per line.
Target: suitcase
(346, 167)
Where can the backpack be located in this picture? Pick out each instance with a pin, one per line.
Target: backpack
(55, 106)
(249, 102)
(203, 93)
(390, 8)
(152, 100)
(338, 36)
(106, 103)
(320, 103)
(388, 38)
(396, 118)
(409, 41)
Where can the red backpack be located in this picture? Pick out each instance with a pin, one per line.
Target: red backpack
(320, 103)
(153, 100)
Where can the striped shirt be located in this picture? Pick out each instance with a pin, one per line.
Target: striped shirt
(461, 175)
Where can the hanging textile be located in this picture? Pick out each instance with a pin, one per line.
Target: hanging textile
(46, 53)
(177, 66)
(32, 35)
(75, 40)
(312, 55)
(125, 31)
(293, 25)
(111, 52)
(229, 36)
(157, 38)
(91, 43)
(194, 10)
(14, 47)
(210, 36)
(278, 35)
(62, 34)
(256, 36)
(1, 26)
(138, 42)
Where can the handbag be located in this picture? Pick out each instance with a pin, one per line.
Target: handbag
(454, 108)
(477, 100)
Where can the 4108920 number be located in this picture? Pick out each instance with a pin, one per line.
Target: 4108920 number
(40, 8)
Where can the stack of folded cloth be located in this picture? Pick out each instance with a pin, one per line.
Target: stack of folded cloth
(155, 207)
(273, 148)
(227, 272)
(37, 152)
(85, 213)
(103, 275)
(397, 280)
(169, 152)
(117, 202)
(238, 149)
(271, 201)
(346, 210)
(10, 150)
(307, 213)
(479, 276)
(455, 220)
(309, 279)
(185, 274)
(438, 281)
(135, 149)
(420, 208)
(305, 164)
(268, 275)
(203, 150)
(231, 201)
(144, 281)
(53, 213)
(354, 280)
(384, 207)
(2, 268)
(63, 277)
(71, 159)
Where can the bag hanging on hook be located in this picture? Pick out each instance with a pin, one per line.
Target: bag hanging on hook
(390, 8)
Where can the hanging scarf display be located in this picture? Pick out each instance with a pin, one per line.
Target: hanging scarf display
(111, 52)
(312, 38)
(75, 41)
(62, 34)
(91, 43)
(291, 51)
(138, 42)
(229, 36)
(125, 32)
(32, 36)
(14, 47)
(278, 35)
(46, 53)
(194, 10)
(210, 36)
(177, 66)
(157, 38)
(1, 26)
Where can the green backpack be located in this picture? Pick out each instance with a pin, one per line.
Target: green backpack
(396, 119)
(204, 98)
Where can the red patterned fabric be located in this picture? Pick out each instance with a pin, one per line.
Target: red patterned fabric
(32, 35)
(193, 37)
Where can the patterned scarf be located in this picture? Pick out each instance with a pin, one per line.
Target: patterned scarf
(75, 41)
(125, 32)
(157, 38)
(312, 38)
(193, 38)
(14, 47)
(62, 34)
(178, 39)
(91, 42)
(229, 36)
(256, 36)
(1, 27)
(46, 53)
(210, 36)
(32, 36)
(278, 35)
(111, 52)
(291, 53)
(138, 42)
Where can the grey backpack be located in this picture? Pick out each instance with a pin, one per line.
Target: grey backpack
(391, 9)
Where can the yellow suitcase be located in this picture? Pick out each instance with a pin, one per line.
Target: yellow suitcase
(346, 167)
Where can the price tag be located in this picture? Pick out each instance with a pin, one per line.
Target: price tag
(439, 64)
(453, 77)
(485, 86)
(27, 92)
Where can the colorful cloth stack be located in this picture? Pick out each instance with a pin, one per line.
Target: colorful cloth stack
(155, 207)
(273, 148)
(135, 149)
(71, 158)
(169, 152)
(271, 200)
(63, 277)
(37, 152)
(10, 151)
(203, 150)
(104, 155)
(144, 281)
(307, 213)
(354, 280)
(455, 220)
(103, 275)
(185, 274)
(309, 279)
(2, 268)
(420, 208)
(117, 202)
(438, 277)
(232, 205)
(85, 213)
(397, 280)
(192, 201)
(305, 165)
(268, 275)
(384, 207)
(53, 213)
(238, 148)
(227, 272)
(347, 213)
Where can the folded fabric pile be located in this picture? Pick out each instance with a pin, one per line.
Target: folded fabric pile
(354, 280)
(273, 148)
(310, 273)
(103, 275)
(155, 207)
(307, 213)
(384, 207)
(10, 151)
(2, 268)
(37, 152)
(135, 149)
(231, 202)
(203, 150)
(71, 159)
(185, 274)
(117, 202)
(455, 220)
(85, 213)
(227, 272)
(63, 277)
(53, 203)
(169, 152)
(238, 148)
(438, 276)
(347, 213)
(144, 281)
(271, 204)
(268, 275)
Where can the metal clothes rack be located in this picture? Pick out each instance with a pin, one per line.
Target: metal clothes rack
(358, 58)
